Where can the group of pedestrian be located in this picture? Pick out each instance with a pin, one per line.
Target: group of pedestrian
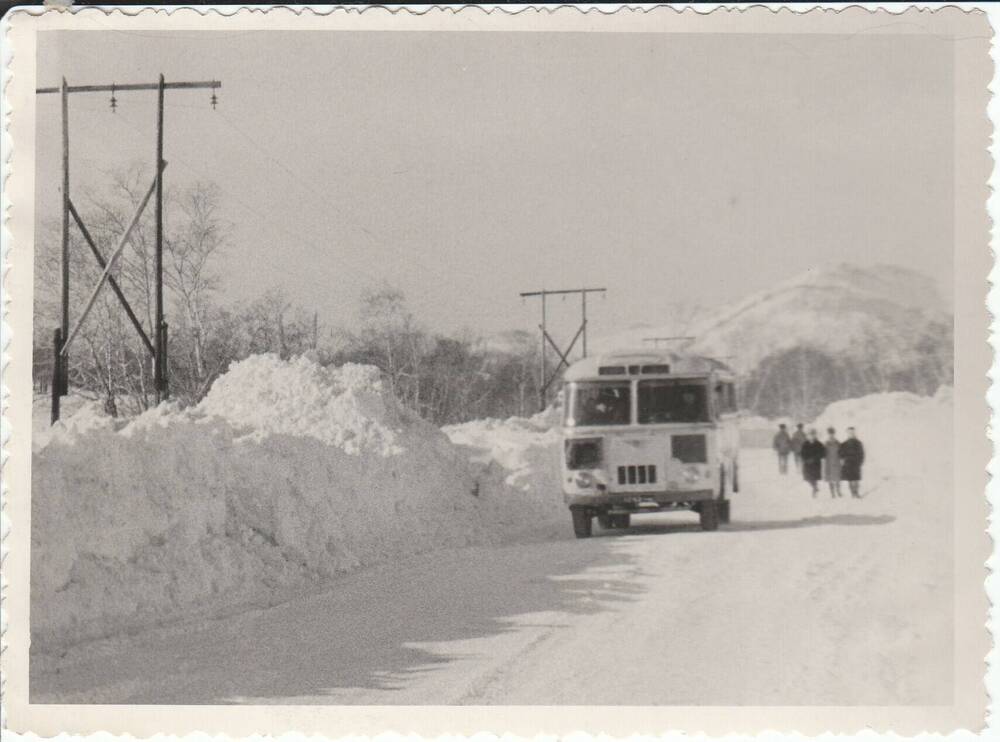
(831, 461)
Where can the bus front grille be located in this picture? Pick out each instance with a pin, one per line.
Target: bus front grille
(637, 474)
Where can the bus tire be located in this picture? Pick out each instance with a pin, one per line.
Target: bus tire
(622, 520)
(708, 515)
(723, 506)
(605, 520)
(722, 480)
(583, 523)
(736, 476)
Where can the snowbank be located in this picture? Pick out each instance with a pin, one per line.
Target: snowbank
(525, 448)
(893, 424)
(286, 474)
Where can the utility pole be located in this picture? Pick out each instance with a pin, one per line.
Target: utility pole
(63, 335)
(545, 381)
(64, 265)
(159, 377)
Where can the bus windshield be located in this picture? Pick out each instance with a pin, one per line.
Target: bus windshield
(599, 403)
(672, 401)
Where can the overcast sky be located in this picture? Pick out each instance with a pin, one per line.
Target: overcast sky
(467, 167)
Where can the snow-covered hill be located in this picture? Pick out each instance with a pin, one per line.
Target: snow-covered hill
(841, 310)
(831, 333)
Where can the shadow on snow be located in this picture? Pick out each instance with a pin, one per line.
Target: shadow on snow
(363, 631)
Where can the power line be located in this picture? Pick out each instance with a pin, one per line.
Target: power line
(321, 199)
(257, 211)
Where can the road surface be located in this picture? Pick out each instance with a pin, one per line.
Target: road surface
(797, 601)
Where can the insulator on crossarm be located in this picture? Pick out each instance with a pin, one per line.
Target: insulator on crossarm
(215, 100)
(114, 101)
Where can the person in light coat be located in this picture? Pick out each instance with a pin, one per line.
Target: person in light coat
(852, 456)
(831, 464)
(798, 440)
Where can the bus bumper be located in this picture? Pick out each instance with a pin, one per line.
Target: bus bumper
(637, 502)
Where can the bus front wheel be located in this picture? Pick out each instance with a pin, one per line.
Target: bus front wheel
(708, 514)
(621, 520)
(583, 523)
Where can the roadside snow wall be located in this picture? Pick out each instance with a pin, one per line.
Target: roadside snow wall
(525, 450)
(892, 426)
(286, 474)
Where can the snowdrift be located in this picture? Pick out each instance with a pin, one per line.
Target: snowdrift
(525, 449)
(287, 473)
(895, 426)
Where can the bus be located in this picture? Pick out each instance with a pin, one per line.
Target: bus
(648, 431)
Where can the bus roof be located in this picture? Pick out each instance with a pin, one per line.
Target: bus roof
(623, 363)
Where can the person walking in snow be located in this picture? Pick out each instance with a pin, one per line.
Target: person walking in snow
(783, 445)
(831, 464)
(798, 440)
(852, 456)
(813, 453)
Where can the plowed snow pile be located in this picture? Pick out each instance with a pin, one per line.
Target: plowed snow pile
(524, 448)
(905, 435)
(286, 473)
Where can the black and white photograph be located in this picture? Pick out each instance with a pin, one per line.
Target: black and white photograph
(608, 361)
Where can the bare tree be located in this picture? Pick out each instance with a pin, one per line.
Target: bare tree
(108, 355)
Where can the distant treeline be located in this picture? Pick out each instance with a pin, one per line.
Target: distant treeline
(445, 378)
(801, 381)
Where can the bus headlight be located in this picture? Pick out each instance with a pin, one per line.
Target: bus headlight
(691, 474)
(584, 480)
(583, 453)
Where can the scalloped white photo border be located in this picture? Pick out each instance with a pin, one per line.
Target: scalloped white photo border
(973, 265)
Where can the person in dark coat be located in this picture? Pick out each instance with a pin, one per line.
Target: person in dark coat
(813, 453)
(783, 445)
(798, 439)
(852, 456)
(831, 465)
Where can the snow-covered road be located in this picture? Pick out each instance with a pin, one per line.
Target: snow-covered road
(798, 601)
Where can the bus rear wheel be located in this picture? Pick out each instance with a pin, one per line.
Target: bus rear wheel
(723, 506)
(583, 523)
(708, 515)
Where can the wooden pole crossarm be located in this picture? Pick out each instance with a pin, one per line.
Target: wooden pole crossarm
(212, 84)
(111, 280)
(111, 261)
(548, 292)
